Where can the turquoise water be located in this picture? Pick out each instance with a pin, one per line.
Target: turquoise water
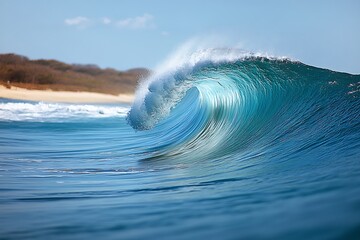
(250, 148)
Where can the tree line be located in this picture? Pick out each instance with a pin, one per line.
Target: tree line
(20, 71)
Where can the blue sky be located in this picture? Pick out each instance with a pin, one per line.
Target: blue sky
(126, 34)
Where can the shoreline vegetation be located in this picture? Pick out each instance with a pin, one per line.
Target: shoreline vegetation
(55, 81)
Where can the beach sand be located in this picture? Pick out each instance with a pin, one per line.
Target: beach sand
(62, 96)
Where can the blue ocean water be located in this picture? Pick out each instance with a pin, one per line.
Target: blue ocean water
(223, 147)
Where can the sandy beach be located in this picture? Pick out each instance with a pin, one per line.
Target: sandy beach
(62, 96)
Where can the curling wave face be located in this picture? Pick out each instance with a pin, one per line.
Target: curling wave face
(221, 102)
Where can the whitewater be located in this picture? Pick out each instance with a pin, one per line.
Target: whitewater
(218, 143)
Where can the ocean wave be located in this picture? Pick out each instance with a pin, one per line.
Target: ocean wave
(220, 101)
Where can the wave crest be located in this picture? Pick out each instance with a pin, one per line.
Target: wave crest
(159, 94)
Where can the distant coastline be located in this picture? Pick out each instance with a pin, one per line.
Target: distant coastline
(55, 81)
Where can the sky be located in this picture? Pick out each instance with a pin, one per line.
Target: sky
(128, 34)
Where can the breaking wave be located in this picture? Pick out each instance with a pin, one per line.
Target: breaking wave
(221, 101)
(39, 111)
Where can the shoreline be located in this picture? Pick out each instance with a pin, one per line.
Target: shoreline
(62, 96)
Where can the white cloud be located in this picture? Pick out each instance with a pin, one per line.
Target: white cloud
(77, 21)
(140, 22)
(106, 20)
(144, 21)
